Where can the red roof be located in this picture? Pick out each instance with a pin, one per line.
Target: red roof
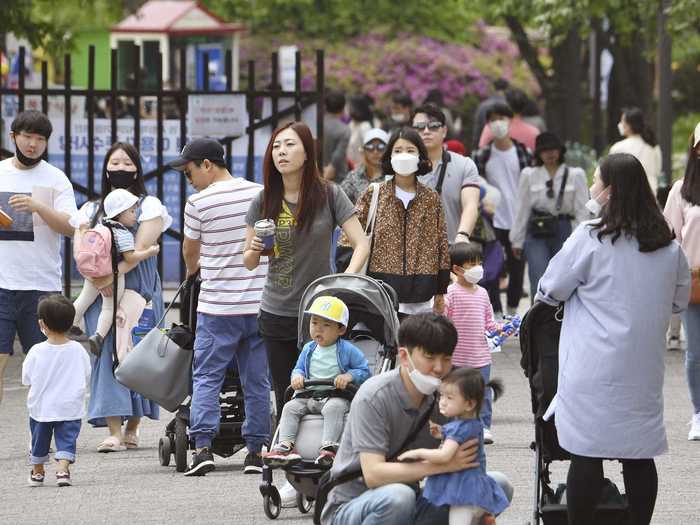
(162, 16)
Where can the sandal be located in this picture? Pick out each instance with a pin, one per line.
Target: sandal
(110, 444)
(131, 439)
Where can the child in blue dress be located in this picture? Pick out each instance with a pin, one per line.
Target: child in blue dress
(469, 493)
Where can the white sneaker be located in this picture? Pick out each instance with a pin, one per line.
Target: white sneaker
(694, 434)
(288, 495)
(674, 343)
(488, 437)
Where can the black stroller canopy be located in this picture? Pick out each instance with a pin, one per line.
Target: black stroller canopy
(369, 301)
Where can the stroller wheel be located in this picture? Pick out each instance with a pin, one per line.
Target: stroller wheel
(303, 503)
(180, 445)
(164, 451)
(272, 504)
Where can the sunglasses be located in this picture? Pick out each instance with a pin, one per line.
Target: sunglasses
(550, 189)
(374, 147)
(433, 125)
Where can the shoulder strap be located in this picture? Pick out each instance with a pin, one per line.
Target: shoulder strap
(373, 205)
(331, 203)
(560, 197)
(443, 169)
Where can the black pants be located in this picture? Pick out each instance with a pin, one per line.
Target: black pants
(515, 268)
(585, 481)
(280, 336)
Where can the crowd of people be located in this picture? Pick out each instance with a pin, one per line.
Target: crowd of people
(391, 200)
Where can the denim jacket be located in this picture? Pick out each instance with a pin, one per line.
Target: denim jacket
(350, 360)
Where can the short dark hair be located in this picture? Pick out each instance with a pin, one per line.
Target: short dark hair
(632, 209)
(433, 333)
(402, 99)
(463, 252)
(32, 121)
(499, 108)
(432, 111)
(517, 100)
(335, 101)
(500, 84)
(411, 135)
(57, 313)
(472, 386)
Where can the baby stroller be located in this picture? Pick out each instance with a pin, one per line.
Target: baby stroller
(229, 440)
(373, 328)
(539, 343)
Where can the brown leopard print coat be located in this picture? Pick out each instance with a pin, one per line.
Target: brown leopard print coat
(409, 247)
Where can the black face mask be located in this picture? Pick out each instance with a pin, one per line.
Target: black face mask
(121, 178)
(24, 160)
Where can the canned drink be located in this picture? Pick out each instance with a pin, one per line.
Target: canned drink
(5, 220)
(265, 229)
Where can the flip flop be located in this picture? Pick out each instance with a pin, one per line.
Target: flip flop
(131, 440)
(110, 444)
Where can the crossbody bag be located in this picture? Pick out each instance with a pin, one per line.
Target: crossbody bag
(544, 224)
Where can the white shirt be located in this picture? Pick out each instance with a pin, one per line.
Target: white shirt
(405, 196)
(503, 171)
(216, 217)
(58, 377)
(30, 250)
(649, 156)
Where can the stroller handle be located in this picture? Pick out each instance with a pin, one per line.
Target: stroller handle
(351, 388)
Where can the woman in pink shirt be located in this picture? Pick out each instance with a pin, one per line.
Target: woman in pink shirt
(683, 212)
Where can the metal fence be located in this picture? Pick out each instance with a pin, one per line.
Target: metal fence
(302, 99)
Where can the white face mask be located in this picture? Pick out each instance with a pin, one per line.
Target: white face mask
(398, 117)
(424, 383)
(474, 274)
(621, 129)
(404, 163)
(499, 128)
(594, 205)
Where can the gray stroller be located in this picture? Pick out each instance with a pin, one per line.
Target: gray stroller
(373, 328)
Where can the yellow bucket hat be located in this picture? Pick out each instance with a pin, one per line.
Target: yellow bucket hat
(330, 308)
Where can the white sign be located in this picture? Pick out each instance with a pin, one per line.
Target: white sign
(216, 116)
(287, 63)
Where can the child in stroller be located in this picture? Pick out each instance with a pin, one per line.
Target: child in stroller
(326, 356)
(373, 328)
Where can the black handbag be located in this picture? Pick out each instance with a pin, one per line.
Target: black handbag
(542, 224)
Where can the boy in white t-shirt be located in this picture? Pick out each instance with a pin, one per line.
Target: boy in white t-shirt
(39, 200)
(57, 372)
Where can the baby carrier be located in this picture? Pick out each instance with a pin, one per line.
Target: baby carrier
(539, 343)
(373, 327)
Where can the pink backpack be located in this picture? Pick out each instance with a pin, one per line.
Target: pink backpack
(94, 257)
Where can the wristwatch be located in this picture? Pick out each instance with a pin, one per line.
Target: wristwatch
(463, 233)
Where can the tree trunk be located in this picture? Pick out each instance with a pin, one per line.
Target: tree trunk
(631, 83)
(563, 96)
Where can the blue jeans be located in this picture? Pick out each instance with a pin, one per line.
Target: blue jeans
(18, 316)
(691, 321)
(487, 406)
(398, 504)
(539, 251)
(65, 435)
(218, 340)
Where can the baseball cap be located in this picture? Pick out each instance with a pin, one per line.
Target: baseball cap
(375, 133)
(330, 308)
(696, 135)
(199, 149)
(117, 201)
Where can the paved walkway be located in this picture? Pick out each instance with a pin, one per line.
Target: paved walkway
(132, 488)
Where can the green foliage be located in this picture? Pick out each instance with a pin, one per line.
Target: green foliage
(335, 20)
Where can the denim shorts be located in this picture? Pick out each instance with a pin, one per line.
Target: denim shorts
(18, 317)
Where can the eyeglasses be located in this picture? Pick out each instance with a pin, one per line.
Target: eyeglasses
(550, 189)
(374, 147)
(433, 125)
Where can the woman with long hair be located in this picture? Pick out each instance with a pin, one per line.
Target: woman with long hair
(111, 403)
(305, 210)
(638, 140)
(683, 212)
(409, 247)
(619, 276)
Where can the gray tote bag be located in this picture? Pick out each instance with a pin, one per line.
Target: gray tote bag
(159, 366)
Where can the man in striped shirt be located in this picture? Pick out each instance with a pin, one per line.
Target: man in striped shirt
(229, 300)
